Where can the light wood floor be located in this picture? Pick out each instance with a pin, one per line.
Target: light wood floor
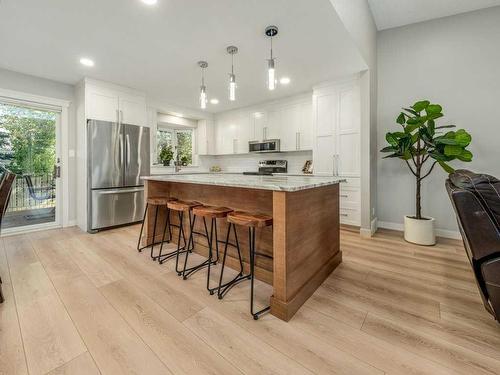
(88, 304)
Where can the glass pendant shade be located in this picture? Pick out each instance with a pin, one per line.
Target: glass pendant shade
(232, 87)
(271, 75)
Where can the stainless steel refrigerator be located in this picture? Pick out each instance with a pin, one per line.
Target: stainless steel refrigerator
(118, 156)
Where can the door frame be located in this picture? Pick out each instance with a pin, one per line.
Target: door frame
(62, 149)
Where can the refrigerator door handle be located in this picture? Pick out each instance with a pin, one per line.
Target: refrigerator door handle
(122, 191)
(121, 145)
(127, 150)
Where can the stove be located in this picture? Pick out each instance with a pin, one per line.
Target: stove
(269, 167)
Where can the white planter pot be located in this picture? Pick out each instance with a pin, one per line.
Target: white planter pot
(420, 232)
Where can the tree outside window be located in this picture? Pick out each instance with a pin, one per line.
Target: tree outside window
(180, 139)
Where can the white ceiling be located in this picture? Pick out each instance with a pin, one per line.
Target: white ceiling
(155, 49)
(394, 13)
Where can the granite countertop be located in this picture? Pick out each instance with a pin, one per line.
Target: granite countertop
(277, 182)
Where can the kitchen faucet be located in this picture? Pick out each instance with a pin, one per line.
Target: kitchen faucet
(177, 162)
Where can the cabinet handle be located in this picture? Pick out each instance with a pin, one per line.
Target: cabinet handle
(297, 141)
(121, 117)
(344, 195)
(344, 215)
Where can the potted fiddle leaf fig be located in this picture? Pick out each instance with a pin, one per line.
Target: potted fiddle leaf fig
(166, 155)
(423, 145)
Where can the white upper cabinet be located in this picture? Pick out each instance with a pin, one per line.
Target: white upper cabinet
(205, 137)
(102, 104)
(290, 121)
(336, 114)
(305, 137)
(291, 117)
(107, 103)
(244, 133)
(274, 124)
(326, 113)
(349, 151)
(259, 120)
(132, 109)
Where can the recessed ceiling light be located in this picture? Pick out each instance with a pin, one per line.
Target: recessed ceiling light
(86, 61)
(149, 2)
(214, 101)
(285, 80)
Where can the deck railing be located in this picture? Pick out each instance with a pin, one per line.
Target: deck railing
(20, 198)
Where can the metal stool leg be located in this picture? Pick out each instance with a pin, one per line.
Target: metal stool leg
(251, 240)
(224, 288)
(139, 248)
(154, 234)
(188, 271)
(167, 225)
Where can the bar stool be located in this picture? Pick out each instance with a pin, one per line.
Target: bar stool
(252, 221)
(180, 207)
(157, 202)
(206, 212)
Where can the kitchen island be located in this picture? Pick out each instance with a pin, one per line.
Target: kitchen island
(301, 248)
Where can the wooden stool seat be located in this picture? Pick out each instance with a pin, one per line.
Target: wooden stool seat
(211, 211)
(160, 201)
(182, 205)
(249, 219)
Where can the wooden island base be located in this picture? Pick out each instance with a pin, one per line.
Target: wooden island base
(303, 241)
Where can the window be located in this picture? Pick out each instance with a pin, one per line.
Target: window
(180, 142)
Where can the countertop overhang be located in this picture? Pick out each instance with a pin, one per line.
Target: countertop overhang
(276, 183)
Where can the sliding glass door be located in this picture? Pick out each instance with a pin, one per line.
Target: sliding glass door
(29, 148)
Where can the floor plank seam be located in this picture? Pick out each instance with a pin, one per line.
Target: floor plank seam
(428, 336)
(65, 307)
(15, 305)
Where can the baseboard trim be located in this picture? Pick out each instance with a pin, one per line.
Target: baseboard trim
(364, 232)
(455, 235)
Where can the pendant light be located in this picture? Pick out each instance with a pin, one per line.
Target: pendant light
(232, 50)
(203, 89)
(271, 31)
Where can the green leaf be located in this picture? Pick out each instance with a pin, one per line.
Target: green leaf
(433, 108)
(466, 156)
(414, 120)
(446, 167)
(463, 138)
(431, 126)
(452, 150)
(395, 155)
(391, 139)
(445, 141)
(421, 105)
(411, 111)
(433, 116)
(411, 127)
(401, 119)
(389, 149)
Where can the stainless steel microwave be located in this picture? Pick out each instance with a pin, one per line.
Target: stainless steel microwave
(270, 145)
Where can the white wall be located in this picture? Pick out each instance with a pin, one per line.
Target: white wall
(452, 61)
(39, 86)
(358, 20)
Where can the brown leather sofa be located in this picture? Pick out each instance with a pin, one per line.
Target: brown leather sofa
(476, 200)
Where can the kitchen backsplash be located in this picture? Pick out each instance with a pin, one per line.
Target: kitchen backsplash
(249, 162)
